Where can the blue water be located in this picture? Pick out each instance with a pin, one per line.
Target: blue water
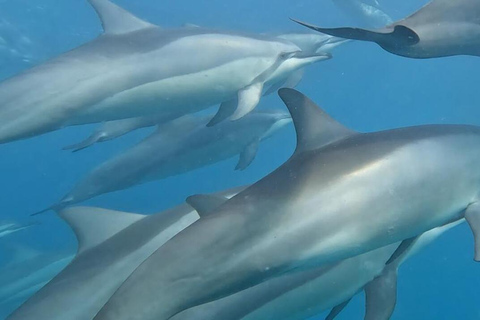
(363, 87)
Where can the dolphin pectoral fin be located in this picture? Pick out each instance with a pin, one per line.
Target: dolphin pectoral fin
(336, 310)
(94, 225)
(381, 295)
(94, 138)
(402, 249)
(205, 204)
(116, 20)
(247, 156)
(248, 99)
(291, 82)
(226, 109)
(314, 127)
(399, 36)
(472, 215)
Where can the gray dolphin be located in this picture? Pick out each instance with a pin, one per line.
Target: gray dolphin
(111, 244)
(303, 295)
(27, 272)
(341, 194)
(137, 69)
(8, 228)
(181, 146)
(442, 28)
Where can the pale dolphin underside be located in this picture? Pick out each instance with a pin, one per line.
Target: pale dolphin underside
(441, 28)
(341, 194)
(138, 69)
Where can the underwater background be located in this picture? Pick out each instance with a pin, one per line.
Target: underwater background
(362, 87)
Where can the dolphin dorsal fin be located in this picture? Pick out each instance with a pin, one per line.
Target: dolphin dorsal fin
(93, 226)
(116, 20)
(314, 127)
(205, 204)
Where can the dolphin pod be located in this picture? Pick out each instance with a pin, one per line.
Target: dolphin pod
(339, 217)
(288, 222)
(111, 245)
(138, 69)
(441, 28)
(178, 147)
(303, 295)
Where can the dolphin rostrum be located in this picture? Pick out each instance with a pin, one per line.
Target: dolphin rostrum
(303, 295)
(9, 228)
(178, 147)
(137, 69)
(441, 28)
(111, 244)
(341, 194)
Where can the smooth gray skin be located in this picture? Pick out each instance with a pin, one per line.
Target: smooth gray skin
(442, 28)
(181, 146)
(113, 129)
(368, 13)
(137, 69)
(111, 245)
(303, 295)
(340, 195)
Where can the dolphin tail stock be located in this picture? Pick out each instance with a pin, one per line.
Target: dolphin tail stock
(65, 202)
(399, 36)
(94, 138)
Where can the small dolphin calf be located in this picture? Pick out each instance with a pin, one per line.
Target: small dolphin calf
(305, 294)
(136, 69)
(178, 147)
(441, 28)
(341, 194)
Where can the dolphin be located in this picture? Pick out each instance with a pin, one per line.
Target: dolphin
(113, 129)
(111, 244)
(137, 69)
(303, 295)
(26, 273)
(367, 13)
(178, 147)
(441, 28)
(341, 194)
(8, 228)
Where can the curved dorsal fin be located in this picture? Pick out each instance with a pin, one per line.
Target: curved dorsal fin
(314, 127)
(116, 20)
(93, 226)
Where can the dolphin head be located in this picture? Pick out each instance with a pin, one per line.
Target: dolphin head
(294, 61)
(313, 42)
(279, 119)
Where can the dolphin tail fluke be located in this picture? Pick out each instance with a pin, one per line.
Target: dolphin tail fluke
(400, 36)
(94, 138)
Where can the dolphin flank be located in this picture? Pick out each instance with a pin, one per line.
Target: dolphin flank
(341, 194)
